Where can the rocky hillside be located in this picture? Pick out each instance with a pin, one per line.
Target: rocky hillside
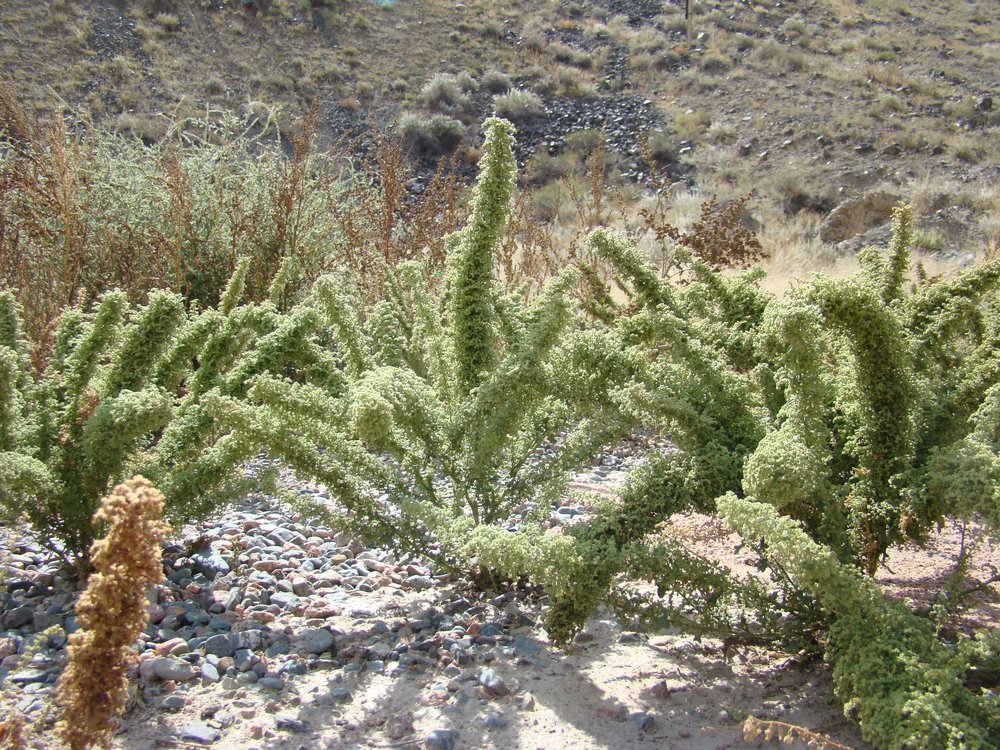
(809, 102)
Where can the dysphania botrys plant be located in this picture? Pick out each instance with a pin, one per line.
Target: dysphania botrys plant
(124, 391)
(905, 686)
(878, 416)
(460, 402)
(860, 409)
(826, 402)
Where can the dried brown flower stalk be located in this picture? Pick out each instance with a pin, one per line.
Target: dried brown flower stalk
(755, 729)
(111, 612)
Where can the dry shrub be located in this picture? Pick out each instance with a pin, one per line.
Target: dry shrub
(111, 612)
(721, 237)
(13, 735)
(87, 211)
(382, 225)
(758, 730)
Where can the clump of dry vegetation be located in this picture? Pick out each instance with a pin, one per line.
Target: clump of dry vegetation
(13, 735)
(111, 612)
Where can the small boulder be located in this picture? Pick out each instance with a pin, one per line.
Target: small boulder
(312, 641)
(209, 563)
(857, 215)
(171, 668)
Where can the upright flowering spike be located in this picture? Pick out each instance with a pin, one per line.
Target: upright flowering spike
(474, 257)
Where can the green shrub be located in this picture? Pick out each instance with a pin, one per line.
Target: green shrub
(835, 403)
(445, 93)
(903, 685)
(520, 106)
(430, 136)
(120, 394)
(450, 394)
(495, 82)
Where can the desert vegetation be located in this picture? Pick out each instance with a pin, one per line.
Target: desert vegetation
(827, 425)
(764, 240)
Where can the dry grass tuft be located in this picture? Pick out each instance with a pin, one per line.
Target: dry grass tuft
(111, 612)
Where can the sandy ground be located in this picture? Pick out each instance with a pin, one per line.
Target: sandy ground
(611, 690)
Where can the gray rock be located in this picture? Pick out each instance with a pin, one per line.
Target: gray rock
(29, 675)
(492, 682)
(209, 563)
(29, 704)
(201, 732)
(340, 694)
(249, 639)
(312, 641)
(19, 617)
(180, 574)
(40, 621)
(172, 668)
(220, 645)
(857, 215)
(645, 721)
(457, 606)
(398, 726)
(209, 673)
(420, 583)
(294, 667)
(495, 720)
(272, 683)
(173, 702)
(243, 659)
(285, 599)
(525, 646)
(490, 630)
(441, 739)
(291, 724)
(459, 654)
(224, 718)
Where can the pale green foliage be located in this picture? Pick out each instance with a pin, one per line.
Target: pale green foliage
(903, 685)
(89, 211)
(783, 470)
(121, 393)
(816, 402)
(87, 414)
(475, 256)
(858, 410)
(871, 391)
(964, 477)
(449, 397)
(668, 368)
